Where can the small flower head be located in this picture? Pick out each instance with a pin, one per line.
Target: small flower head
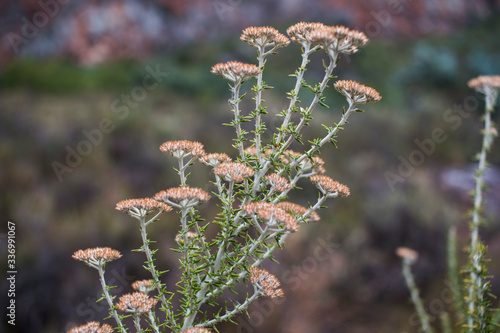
(272, 215)
(268, 283)
(233, 171)
(482, 82)
(299, 33)
(136, 303)
(298, 211)
(141, 207)
(92, 327)
(329, 187)
(281, 40)
(183, 148)
(236, 71)
(215, 159)
(278, 182)
(357, 93)
(357, 38)
(184, 196)
(340, 32)
(97, 257)
(324, 37)
(264, 36)
(407, 254)
(489, 86)
(143, 286)
(196, 330)
(338, 39)
(254, 207)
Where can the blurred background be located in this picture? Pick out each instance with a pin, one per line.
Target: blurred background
(90, 89)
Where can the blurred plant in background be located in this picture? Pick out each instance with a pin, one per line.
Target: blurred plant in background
(473, 306)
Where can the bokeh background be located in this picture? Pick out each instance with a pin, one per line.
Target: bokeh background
(68, 69)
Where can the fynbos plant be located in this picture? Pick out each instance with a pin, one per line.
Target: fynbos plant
(473, 307)
(254, 219)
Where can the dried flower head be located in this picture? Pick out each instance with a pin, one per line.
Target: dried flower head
(233, 171)
(190, 235)
(236, 71)
(357, 38)
(97, 257)
(137, 302)
(278, 182)
(215, 159)
(92, 327)
(325, 38)
(196, 330)
(184, 196)
(298, 210)
(481, 82)
(253, 207)
(407, 254)
(269, 284)
(339, 31)
(329, 187)
(272, 215)
(141, 207)
(338, 39)
(264, 36)
(357, 93)
(143, 286)
(281, 40)
(299, 33)
(183, 148)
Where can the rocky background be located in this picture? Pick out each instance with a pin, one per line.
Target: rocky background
(65, 66)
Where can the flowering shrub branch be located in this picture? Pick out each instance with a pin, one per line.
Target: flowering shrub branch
(254, 218)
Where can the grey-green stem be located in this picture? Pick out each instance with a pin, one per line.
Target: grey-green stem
(137, 322)
(415, 297)
(152, 269)
(235, 102)
(231, 313)
(475, 294)
(258, 102)
(111, 306)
